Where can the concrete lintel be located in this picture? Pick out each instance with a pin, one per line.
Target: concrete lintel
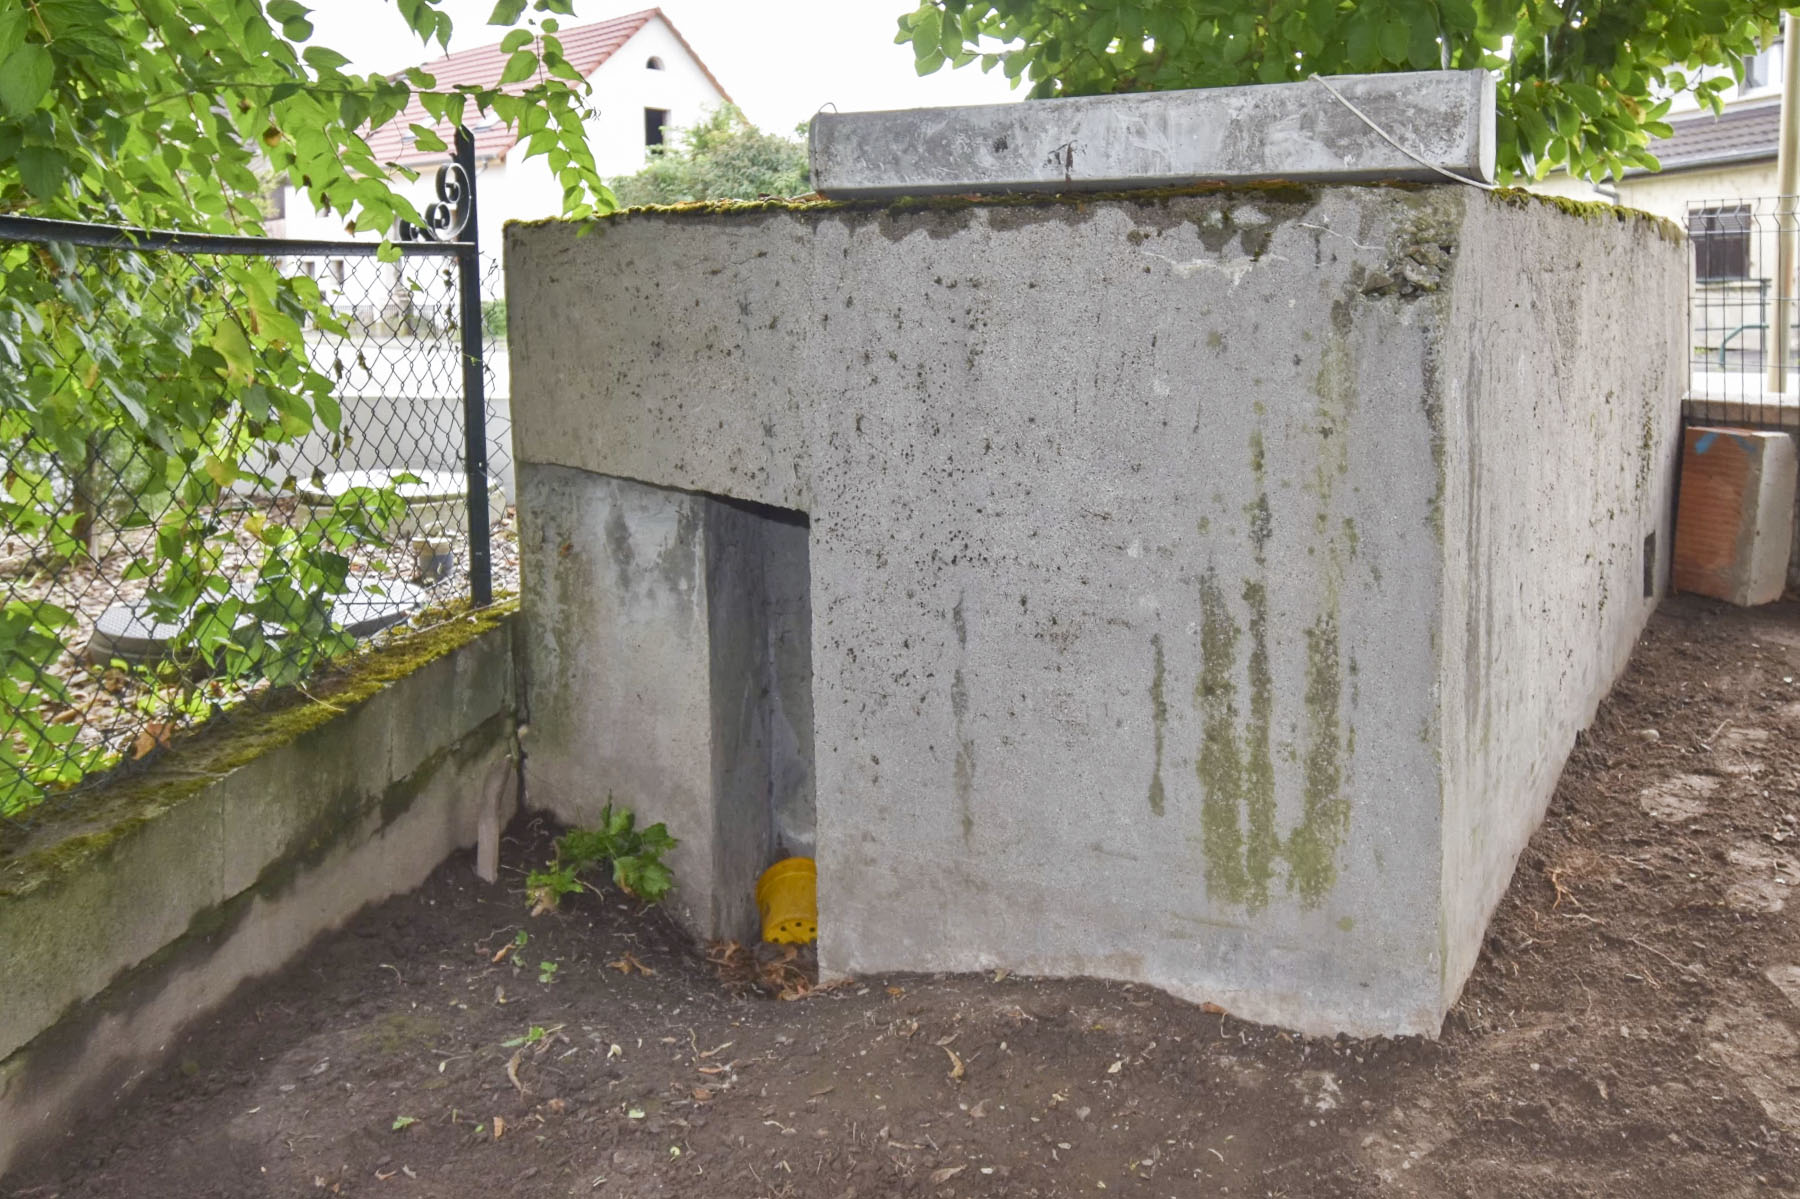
(1297, 131)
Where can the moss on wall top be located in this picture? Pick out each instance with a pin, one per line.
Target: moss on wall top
(1273, 189)
(97, 821)
(1589, 210)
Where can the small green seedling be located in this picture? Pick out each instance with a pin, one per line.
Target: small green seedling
(401, 1122)
(546, 972)
(636, 857)
(532, 1036)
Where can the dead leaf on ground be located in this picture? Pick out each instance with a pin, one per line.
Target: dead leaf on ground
(629, 963)
(499, 1127)
(947, 1173)
(155, 735)
(956, 1064)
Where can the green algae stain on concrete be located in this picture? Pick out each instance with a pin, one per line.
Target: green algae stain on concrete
(965, 752)
(1262, 845)
(1159, 719)
(1312, 846)
(1219, 766)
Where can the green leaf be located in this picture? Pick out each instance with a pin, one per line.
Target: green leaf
(42, 170)
(506, 12)
(519, 67)
(324, 59)
(1395, 37)
(13, 21)
(927, 35)
(25, 79)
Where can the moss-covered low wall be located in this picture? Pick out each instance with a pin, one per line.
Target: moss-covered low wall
(143, 908)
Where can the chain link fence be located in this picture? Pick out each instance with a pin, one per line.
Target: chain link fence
(109, 642)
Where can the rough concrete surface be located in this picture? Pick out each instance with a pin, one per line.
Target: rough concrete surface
(1205, 589)
(109, 960)
(1292, 131)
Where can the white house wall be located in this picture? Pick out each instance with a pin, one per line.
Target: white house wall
(624, 88)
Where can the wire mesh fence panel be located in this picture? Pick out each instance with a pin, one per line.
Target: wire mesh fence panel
(1743, 322)
(155, 572)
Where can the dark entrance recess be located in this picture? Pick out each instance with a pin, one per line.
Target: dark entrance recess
(759, 615)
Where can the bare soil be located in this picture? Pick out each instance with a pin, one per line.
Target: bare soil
(1631, 1030)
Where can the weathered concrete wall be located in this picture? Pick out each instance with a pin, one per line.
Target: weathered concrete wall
(121, 926)
(1557, 382)
(1130, 543)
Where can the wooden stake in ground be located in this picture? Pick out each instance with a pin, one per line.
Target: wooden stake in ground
(496, 795)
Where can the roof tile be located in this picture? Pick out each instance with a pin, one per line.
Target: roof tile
(585, 46)
(1740, 132)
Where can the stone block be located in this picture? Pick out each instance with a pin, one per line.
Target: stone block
(1289, 131)
(1735, 527)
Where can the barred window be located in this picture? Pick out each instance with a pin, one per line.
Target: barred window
(1721, 237)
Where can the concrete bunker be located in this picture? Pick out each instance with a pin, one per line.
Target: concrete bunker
(1206, 586)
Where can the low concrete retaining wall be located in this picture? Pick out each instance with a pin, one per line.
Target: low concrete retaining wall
(1206, 588)
(125, 922)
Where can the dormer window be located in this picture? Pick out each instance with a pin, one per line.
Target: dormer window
(654, 64)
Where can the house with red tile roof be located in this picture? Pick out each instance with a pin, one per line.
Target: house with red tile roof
(646, 80)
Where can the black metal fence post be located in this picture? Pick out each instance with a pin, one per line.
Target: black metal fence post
(468, 267)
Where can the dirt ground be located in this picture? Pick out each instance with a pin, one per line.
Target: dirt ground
(1631, 1030)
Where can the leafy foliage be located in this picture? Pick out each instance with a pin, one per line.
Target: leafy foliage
(1583, 84)
(180, 114)
(723, 157)
(635, 854)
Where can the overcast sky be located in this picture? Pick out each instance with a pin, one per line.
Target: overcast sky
(782, 60)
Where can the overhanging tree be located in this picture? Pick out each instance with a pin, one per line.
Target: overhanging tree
(177, 114)
(1583, 84)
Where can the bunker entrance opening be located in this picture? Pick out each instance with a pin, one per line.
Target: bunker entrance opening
(759, 613)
